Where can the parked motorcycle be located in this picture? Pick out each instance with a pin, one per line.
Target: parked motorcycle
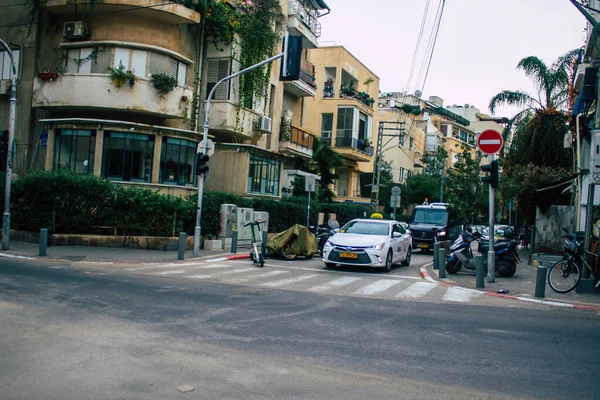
(460, 254)
(323, 232)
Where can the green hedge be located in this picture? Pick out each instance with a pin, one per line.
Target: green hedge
(69, 203)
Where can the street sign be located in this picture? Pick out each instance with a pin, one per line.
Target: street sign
(396, 190)
(490, 141)
(394, 201)
(210, 150)
(309, 184)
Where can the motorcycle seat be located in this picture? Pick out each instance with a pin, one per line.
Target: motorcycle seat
(498, 245)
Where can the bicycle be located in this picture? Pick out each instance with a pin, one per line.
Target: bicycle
(565, 275)
(257, 257)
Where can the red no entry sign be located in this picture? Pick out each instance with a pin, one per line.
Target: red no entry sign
(490, 141)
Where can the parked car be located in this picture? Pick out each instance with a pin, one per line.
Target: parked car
(369, 242)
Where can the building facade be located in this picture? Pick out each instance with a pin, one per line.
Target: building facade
(342, 113)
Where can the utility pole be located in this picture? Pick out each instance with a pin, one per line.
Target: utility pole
(394, 126)
(9, 151)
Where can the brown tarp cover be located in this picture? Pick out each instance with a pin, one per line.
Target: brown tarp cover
(303, 242)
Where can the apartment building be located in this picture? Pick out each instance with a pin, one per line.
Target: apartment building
(71, 114)
(400, 119)
(342, 113)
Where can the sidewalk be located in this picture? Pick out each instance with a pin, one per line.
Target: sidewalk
(112, 255)
(521, 286)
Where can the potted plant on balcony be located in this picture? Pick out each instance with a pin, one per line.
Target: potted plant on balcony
(120, 75)
(47, 76)
(328, 90)
(285, 130)
(163, 83)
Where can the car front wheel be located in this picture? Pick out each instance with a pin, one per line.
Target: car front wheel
(388, 261)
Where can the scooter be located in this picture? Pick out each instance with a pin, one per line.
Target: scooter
(461, 254)
(257, 257)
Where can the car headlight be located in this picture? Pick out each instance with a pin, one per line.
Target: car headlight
(328, 244)
(376, 247)
(442, 233)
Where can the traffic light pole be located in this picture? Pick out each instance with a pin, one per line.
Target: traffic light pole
(9, 150)
(197, 228)
(491, 271)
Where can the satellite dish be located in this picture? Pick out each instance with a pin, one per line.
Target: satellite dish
(418, 93)
(467, 105)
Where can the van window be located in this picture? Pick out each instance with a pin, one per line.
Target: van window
(430, 216)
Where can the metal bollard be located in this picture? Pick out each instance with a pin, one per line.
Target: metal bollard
(264, 242)
(540, 282)
(436, 251)
(479, 274)
(43, 242)
(234, 236)
(181, 252)
(442, 262)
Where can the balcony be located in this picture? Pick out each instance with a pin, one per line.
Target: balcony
(298, 142)
(96, 92)
(171, 13)
(302, 21)
(226, 124)
(352, 149)
(305, 86)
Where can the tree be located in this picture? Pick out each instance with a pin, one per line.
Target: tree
(463, 184)
(435, 162)
(323, 162)
(421, 187)
(535, 134)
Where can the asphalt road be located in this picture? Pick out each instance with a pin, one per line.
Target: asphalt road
(68, 334)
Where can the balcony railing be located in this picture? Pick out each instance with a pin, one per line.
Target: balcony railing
(301, 138)
(307, 73)
(356, 144)
(303, 15)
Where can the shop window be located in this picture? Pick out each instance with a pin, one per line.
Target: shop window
(75, 150)
(264, 175)
(177, 162)
(127, 156)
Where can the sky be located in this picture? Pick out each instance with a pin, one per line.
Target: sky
(479, 44)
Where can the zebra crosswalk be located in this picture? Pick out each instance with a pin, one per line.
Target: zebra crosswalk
(312, 280)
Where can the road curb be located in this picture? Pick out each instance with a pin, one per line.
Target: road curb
(425, 275)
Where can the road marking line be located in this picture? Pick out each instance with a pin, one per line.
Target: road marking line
(458, 295)
(377, 287)
(171, 272)
(336, 283)
(233, 271)
(289, 281)
(14, 256)
(263, 275)
(416, 290)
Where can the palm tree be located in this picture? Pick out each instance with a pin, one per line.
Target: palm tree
(323, 161)
(535, 134)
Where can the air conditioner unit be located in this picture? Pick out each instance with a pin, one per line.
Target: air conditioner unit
(264, 124)
(75, 30)
(5, 86)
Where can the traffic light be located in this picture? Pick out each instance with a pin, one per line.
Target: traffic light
(201, 160)
(492, 179)
(292, 54)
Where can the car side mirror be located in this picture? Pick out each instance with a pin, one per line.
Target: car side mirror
(396, 234)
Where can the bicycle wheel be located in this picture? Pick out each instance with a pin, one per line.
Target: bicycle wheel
(564, 276)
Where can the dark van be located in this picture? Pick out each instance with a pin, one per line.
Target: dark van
(430, 223)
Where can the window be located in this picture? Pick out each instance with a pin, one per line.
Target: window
(345, 121)
(402, 174)
(363, 127)
(134, 60)
(79, 60)
(178, 70)
(217, 70)
(326, 127)
(444, 130)
(127, 156)
(177, 161)
(464, 136)
(264, 175)
(5, 64)
(75, 150)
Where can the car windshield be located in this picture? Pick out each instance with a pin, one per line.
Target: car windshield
(430, 216)
(366, 228)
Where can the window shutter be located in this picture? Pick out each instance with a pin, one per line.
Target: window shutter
(217, 70)
(173, 68)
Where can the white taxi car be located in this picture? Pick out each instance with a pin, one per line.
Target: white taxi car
(369, 242)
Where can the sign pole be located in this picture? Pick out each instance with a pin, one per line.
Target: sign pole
(308, 208)
(491, 271)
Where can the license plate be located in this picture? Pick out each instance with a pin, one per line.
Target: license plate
(423, 246)
(348, 255)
